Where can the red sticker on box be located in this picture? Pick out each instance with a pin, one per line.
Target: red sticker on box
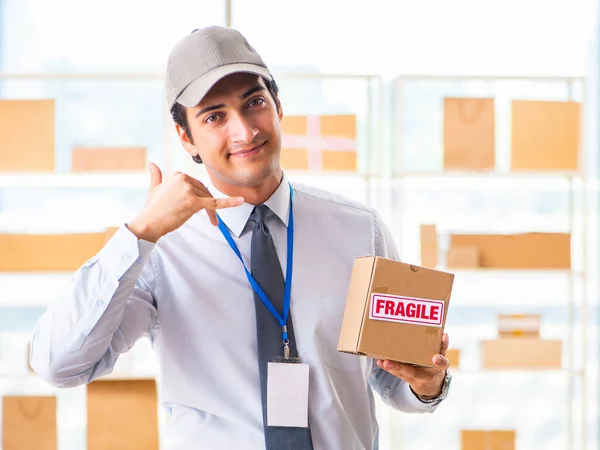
(417, 311)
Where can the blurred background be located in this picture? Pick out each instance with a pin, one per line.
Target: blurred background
(474, 124)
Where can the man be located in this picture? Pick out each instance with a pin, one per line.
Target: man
(200, 271)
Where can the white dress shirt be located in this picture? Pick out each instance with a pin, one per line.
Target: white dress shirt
(189, 294)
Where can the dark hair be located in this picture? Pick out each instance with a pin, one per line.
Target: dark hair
(178, 113)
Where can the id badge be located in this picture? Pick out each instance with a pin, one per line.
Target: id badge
(287, 395)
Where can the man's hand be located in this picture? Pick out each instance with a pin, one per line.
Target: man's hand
(425, 382)
(172, 202)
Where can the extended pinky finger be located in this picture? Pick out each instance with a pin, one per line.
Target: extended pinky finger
(212, 215)
(228, 202)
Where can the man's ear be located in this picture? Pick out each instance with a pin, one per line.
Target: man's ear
(185, 140)
(279, 109)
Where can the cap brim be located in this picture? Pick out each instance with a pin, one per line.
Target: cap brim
(197, 89)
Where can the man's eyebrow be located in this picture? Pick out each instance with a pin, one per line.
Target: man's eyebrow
(253, 90)
(209, 108)
(245, 95)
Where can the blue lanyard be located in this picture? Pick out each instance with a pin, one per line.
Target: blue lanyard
(282, 319)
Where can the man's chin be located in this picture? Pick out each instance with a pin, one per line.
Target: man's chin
(249, 175)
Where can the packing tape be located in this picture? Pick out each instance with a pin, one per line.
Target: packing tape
(379, 290)
(433, 331)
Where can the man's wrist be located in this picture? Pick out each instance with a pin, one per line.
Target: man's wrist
(442, 393)
(430, 397)
(143, 231)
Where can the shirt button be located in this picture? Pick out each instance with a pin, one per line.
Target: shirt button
(126, 256)
(99, 303)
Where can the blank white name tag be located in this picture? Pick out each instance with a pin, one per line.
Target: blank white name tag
(287, 395)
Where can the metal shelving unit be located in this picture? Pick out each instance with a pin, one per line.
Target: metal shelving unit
(576, 189)
(377, 176)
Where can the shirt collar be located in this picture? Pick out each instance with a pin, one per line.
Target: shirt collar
(235, 218)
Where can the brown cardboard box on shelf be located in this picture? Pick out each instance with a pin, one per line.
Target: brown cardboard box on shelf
(395, 311)
(429, 246)
(319, 143)
(23, 148)
(519, 326)
(521, 354)
(29, 422)
(48, 252)
(109, 159)
(545, 135)
(469, 134)
(126, 407)
(519, 251)
(487, 439)
(463, 257)
(453, 355)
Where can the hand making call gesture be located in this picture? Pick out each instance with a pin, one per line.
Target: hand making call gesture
(173, 202)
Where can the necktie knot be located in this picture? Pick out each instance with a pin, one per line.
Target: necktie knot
(259, 213)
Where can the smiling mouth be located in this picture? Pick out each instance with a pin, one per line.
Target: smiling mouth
(249, 152)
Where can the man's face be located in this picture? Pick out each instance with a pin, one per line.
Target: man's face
(236, 131)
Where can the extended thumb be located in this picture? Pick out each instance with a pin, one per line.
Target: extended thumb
(155, 175)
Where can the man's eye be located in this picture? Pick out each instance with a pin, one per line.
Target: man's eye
(256, 102)
(212, 118)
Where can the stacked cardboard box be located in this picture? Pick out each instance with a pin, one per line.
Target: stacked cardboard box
(511, 251)
(487, 439)
(545, 135)
(469, 134)
(519, 345)
(27, 129)
(111, 405)
(29, 422)
(429, 246)
(109, 159)
(319, 143)
(453, 355)
(49, 252)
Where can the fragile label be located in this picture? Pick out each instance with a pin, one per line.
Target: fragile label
(417, 311)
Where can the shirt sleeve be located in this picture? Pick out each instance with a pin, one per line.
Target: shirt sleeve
(106, 308)
(396, 392)
(393, 390)
(385, 246)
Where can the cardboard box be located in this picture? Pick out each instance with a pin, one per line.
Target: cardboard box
(395, 311)
(109, 159)
(521, 354)
(519, 251)
(429, 246)
(122, 414)
(453, 355)
(487, 439)
(519, 326)
(469, 134)
(545, 135)
(463, 257)
(319, 143)
(48, 252)
(27, 130)
(29, 422)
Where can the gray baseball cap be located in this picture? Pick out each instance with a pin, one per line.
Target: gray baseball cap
(204, 57)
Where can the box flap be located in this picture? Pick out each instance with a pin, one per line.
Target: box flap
(356, 304)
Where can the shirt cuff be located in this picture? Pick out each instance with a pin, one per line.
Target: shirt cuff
(124, 255)
(407, 394)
